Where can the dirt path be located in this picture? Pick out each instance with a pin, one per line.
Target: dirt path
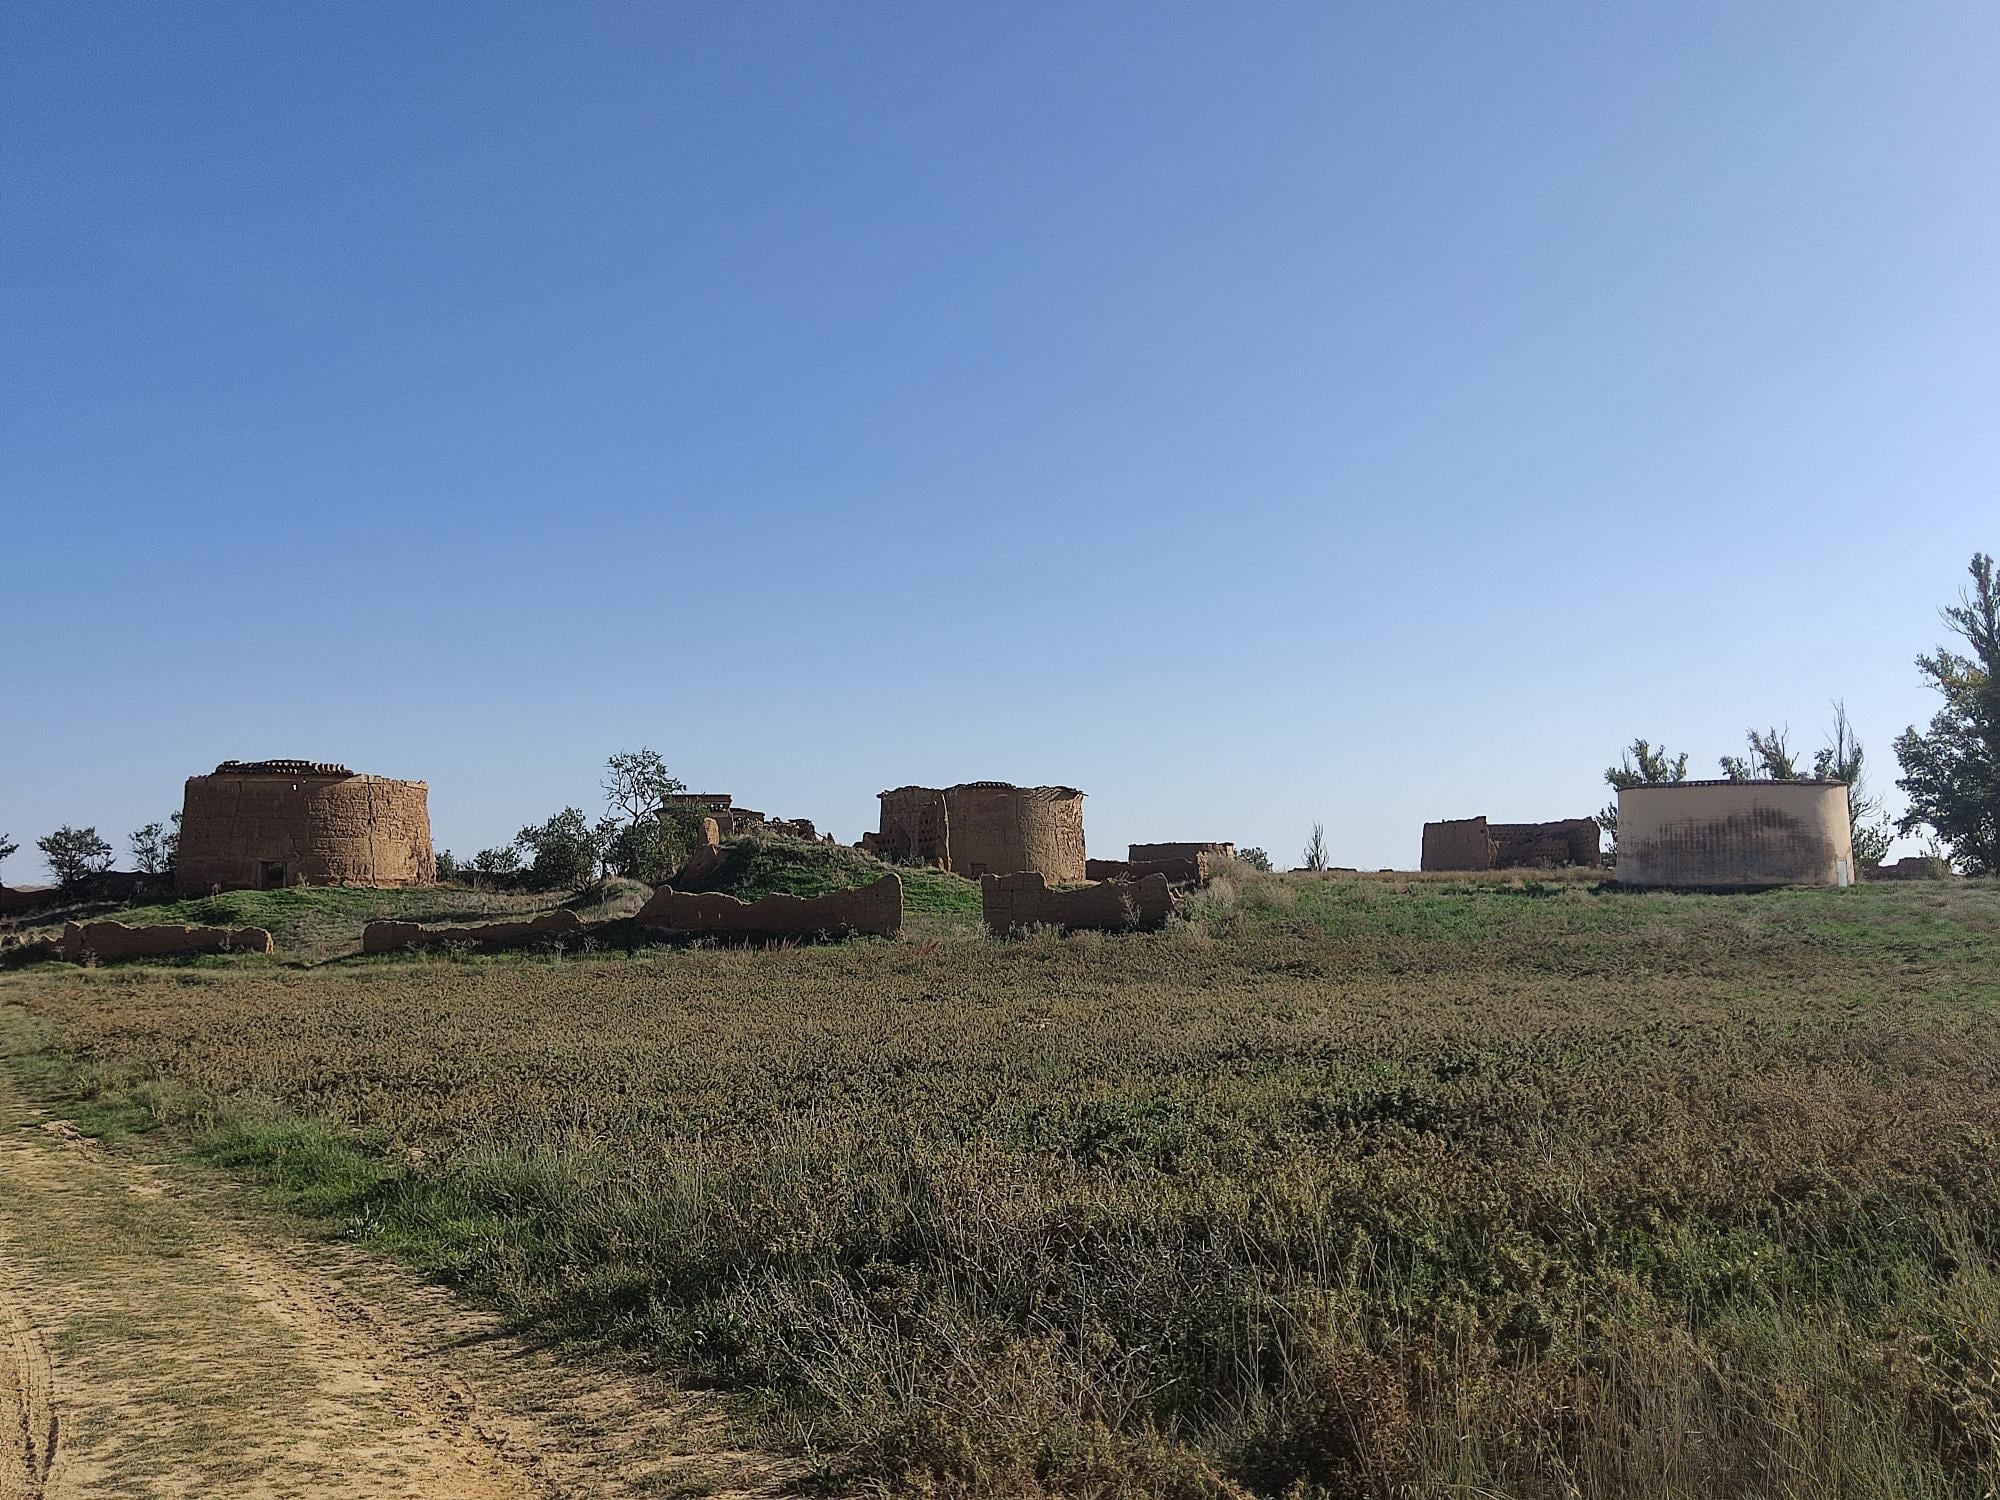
(154, 1341)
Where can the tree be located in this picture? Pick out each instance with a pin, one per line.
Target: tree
(504, 860)
(1256, 859)
(8, 848)
(563, 852)
(637, 785)
(1952, 773)
(156, 846)
(1314, 857)
(642, 835)
(75, 853)
(1770, 758)
(1840, 759)
(447, 866)
(1642, 765)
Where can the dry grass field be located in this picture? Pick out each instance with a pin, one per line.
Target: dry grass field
(1340, 1187)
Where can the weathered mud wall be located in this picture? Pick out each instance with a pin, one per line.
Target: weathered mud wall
(1140, 853)
(109, 942)
(1913, 867)
(1568, 841)
(1011, 902)
(913, 828)
(1475, 844)
(392, 937)
(1457, 844)
(874, 908)
(1192, 869)
(1735, 833)
(285, 823)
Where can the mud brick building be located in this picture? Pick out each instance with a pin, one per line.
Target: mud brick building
(267, 824)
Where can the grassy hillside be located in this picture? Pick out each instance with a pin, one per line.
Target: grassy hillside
(762, 865)
(1341, 1187)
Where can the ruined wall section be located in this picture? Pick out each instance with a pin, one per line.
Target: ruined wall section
(250, 828)
(1475, 844)
(1735, 833)
(914, 829)
(1142, 853)
(1010, 903)
(1457, 844)
(1568, 841)
(108, 942)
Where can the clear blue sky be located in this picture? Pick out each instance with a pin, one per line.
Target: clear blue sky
(1250, 415)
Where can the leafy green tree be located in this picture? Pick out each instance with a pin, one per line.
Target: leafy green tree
(637, 785)
(156, 846)
(504, 860)
(447, 866)
(1951, 774)
(1256, 859)
(641, 835)
(1642, 765)
(563, 852)
(75, 854)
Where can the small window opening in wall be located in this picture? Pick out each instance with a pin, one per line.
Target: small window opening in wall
(271, 875)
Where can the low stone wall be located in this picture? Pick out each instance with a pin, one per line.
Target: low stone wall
(395, 937)
(108, 942)
(1011, 902)
(875, 908)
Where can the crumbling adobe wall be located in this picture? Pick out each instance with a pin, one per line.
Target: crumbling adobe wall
(108, 942)
(296, 822)
(1011, 902)
(1140, 853)
(1457, 844)
(1192, 869)
(1475, 844)
(391, 937)
(1568, 841)
(1107, 869)
(1913, 867)
(913, 828)
(874, 908)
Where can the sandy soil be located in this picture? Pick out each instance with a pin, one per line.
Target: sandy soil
(157, 1339)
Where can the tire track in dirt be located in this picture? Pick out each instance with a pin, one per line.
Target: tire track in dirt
(195, 1353)
(28, 1420)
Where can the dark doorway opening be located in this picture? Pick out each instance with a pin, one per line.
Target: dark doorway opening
(271, 875)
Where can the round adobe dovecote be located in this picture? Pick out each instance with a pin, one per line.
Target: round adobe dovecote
(275, 823)
(986, 828)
